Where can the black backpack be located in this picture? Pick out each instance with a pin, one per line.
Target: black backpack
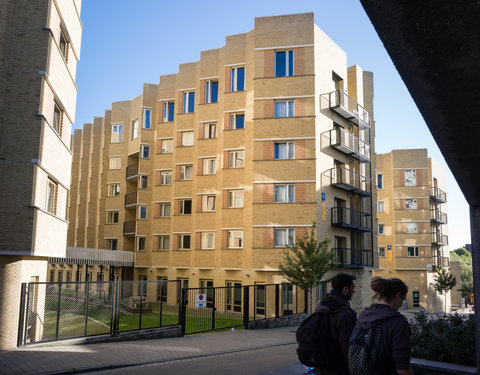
(316, 348)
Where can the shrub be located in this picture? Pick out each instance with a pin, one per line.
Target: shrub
(446, 339)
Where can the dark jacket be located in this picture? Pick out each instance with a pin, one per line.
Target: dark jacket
(342, 322)
(396, 335)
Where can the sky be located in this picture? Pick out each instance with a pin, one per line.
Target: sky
(126, 43)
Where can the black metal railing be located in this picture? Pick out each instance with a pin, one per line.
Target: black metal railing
(129, 228)
(353, 258)
(346, 179)
(440, 239)
(348, 218)
(132, 171)
(347, 143)
(131, 199)
(439, 216)
(349, 109)
(438, 195)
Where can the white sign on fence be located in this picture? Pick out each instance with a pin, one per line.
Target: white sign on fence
(201, 300)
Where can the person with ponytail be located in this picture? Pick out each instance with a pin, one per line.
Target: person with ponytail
(395, 329)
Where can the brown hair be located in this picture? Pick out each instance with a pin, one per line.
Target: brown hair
(387, 289)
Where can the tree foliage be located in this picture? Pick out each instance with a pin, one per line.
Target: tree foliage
(306, 262)
(444, 282)
(466, 270)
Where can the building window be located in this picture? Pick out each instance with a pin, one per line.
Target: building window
(167, 146)
(209, 131)
(208, 240)
(209, 166)
(166, 178)
(412, 228)
(283, 237)
(411, 177)
(236, 159)
(235, 198)
(284, 150)
(380, 206)
(284, 108)
(283, 63)
(381, 228)
(186, 172)
(63, 45)
(117, 133)
(145, 151)
(183, 242)
(187, 139)
(237, 79)
(412, 251)
(189, 102)
(211, 91)
(142, 212)
(237, 121)
(143, 182)
(380, 181)
(112, 217)
(235, 239)
(185, 207)
(284, 193)
(147, 118)
(163, 243)
(111, 244)
(381, 251)
(208, 203)
(134, 129)
(141, 243)
(57, 118)
(164, 209)
(410, 204)
(168, 111)
(50, 205)
(115, 162)
(113, 190)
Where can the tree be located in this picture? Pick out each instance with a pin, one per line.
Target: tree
(444, 282)
(306, 262)
(466, 271)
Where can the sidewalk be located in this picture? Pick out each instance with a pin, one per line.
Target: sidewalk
(70, 359)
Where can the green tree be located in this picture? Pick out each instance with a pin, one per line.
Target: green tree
(444, 282)
(466, 270)
(306, 262)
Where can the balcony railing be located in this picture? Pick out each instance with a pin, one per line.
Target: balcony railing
(353, 258)
(438, 195)
(439, 216)
(348, 108)
(129, 228)
(348, 218)
(349, 144)
(439, 239)
(132, 171)
(346, 179)
(80, 255)
(131, 200)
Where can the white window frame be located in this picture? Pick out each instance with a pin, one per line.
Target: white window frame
(232, 235)
(50, 199)
(414, 249)
(181, 207)
(141, 239)
(186, 172)
(381, 252)
(167, 146)
(146, 125)
(234, 78)
(209, 130)
(207, 241)
(143, 178)
(380, 175)
(113, 190)
(209, 200)
(411, 204)
(142, 212)
(410, 177)
(285, 235)
(161, 239)
(380, 206)
(287, 63)
(186, 103)
(289, 106)
(290, 193)
(236, 198)
(163, 209)
(117, 133)
(57, 122)
(209, 166)
(236, 159)
(289, 150)
(187, 139)
(109, 244)
(382, 226)
(181, 241)
(412, 227)
(165, 177)
(208, 90)
(233, 120)
(111, 216)
(115, 162)
(166, 110)
(135, 129)
(144, 148)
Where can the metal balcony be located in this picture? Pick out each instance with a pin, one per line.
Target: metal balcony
(129, 228)
(345, 179)
(131, 200)
(353, 258)
(438, 195)
(132, 172)
(78, 255)
(349, 109)
(352, 219)
(349, 144)
(439, 239)
(438, 216)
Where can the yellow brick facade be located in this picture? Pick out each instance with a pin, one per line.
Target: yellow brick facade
(412, 223)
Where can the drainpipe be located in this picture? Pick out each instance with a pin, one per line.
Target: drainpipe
(475, 234)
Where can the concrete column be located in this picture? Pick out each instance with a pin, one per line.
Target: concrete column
(475, 233)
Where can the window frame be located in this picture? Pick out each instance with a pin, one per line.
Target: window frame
(112, 217)
(51, 197)
(168, 111)
(205, 238)
(234, 196)
(187, 139)
(114, 160)
(142, 212)
(143, 178)
(186, 172)
(290, 193)
(381, 204)
(381, 225)
(234, 124)
(412, 227)
(289, 148)
(110, 242)
(235, 84)
(288, 239)
(289, 108)
(209, 90)
(380, 181)
(231, 235)
(207, 130)
(415, 251)
(289, 65)
(117, 135)
(189, 101)
(57, 122)
(163, 208)
(181, 241)
(144, 151)
(182, 207)
(207, 166)
(115, 189)
(413, 204)
(410, 180)
(161, 241)
(141, 243)
(234, 160)
(134, 129)
(205, 202)
(164, 176)
(147, 120)
(381, 253)
(167, 146)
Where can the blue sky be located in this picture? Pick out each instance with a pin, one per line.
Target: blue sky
(128, 42)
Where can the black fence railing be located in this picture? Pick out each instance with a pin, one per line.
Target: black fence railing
(132, 171)
(438, 195)
(131, 199)
(353, 258)
(348, 218)
(129, 228)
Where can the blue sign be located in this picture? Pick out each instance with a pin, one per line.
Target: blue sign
(323, 197)
(389, 247)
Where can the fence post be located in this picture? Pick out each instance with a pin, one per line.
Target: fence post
(183, 310)
(277, 300)
(58, 309)
(87, 293)
(213, 309)
(161, 300)
(140, 287)
(21, 320)
(246, 305)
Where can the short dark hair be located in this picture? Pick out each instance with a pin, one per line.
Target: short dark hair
(342, 280)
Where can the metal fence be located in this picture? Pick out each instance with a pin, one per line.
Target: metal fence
(64, 310)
